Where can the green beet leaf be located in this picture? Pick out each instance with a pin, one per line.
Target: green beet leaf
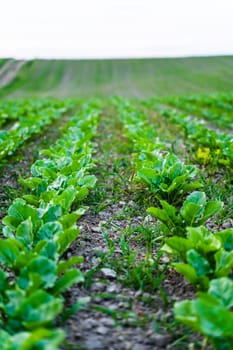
(226, 237)
(166, 216)
(44, 168)
(203, 240)
(212, 208)
(31, 199)
(15, 299)
(69, 220)
(198, 262)
(39, 339)
(11, 223)
(184, 313)
(39, 309)
(6, 341)
(193, 207)
(212, 320)
(65, 239)
(18, 212)
(48, 196)
(224, 263)
(187, 271)
(49, 230)
(67, 280)
(43, 267)
(3, 281)
(222, 289)
(149, 177)
(35, 184)
(179, 246)
(59, 183)
(47, 248)
(22, 211)
(88, 181)
(9, 251)
(66, 198)
(81, 193)
(52, 213)
(24, 232)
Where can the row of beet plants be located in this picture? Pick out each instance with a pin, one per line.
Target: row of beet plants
(13, 110)
(216, 111)
(210, 146)
(38, 229)
(203, 257)
(32, 118)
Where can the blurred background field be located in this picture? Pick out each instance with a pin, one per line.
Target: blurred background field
(126, 77)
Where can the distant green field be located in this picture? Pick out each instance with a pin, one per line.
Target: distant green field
(133, 78)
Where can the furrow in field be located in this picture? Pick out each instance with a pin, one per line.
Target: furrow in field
(182, 212)
(125, 296)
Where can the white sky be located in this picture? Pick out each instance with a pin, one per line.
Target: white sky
(115, 28)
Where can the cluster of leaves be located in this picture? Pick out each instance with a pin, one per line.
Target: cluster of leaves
(203, 257)
(38, 229)
(194, 212)
(166, 176)
(30, 119)
(211, 313)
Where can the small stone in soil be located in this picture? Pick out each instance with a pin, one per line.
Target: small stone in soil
(226, 224)
(160, 340)
(102, 330)
(108, 273)
(93, 343)
(112, 288)
(96, 229)
(100, 287)
(109, 322)
(139, 347)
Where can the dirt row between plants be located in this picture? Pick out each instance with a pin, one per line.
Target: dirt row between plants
(129, 290)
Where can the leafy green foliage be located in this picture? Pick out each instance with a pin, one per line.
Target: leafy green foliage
(203, 255)
(31, 118)
(195, 211)
(197, 253)
(167, 177)
(210, 313)
(39, 339)
(156, 166)
(38, 230)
